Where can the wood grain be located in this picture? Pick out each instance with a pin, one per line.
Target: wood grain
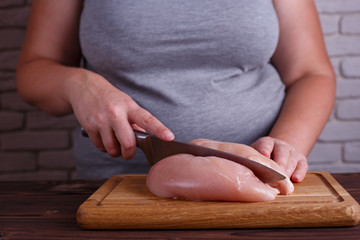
(124, 202)
(47, 210)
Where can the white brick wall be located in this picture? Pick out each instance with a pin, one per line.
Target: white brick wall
(338, 148)
(34, 146)
(350, 24)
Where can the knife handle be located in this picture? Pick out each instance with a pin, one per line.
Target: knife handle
(84, 133)
(139, 136)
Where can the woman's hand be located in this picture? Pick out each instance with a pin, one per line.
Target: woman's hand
(109, 115)
(49, 77)
(293, 162)
(306, 71)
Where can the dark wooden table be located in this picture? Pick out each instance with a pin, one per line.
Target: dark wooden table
(46, 210)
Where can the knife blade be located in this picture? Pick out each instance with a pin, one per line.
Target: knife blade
(156, 149)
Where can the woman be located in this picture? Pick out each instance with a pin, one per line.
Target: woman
(252, 71)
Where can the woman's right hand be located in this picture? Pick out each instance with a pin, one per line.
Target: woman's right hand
(48, 77)
(109, 115)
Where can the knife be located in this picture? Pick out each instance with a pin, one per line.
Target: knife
(156, 149)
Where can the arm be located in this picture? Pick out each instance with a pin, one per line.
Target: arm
(306, 71)
(50, 54)
(49, 77)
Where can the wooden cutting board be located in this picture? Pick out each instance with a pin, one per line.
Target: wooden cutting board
(124, 202)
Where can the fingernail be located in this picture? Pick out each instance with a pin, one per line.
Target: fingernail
(168, 135)
(296, 177)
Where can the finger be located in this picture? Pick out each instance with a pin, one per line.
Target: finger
(300, 171)
(125, 136)
(292, 162)
(147, 121)
(200, 142)
(281, 155)
(110, 142)
(264, 145)
(95, 138)
(136, 127)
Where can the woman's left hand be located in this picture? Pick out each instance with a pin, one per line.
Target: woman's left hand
(293, 162)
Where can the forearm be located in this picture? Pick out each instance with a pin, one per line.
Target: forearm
(306, 109)
(50, 55)
(45, 84)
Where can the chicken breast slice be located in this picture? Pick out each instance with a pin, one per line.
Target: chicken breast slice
(284, 186)
(185, 176)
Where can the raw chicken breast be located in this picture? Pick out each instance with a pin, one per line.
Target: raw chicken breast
(211, 178)
(206, 178)
(284, 186)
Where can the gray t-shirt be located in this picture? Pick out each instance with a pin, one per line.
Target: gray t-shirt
(202, 67)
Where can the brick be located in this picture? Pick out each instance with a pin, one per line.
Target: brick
(56, 160)
(7, 81)
(335, 168)
(11, 38)
(348, 109)
(9, 59)
(350, 24)
(329, 23)
(12, 101)
(338, 45)
(14, 17)
(44, 175)
(11, 3)
(11, 120)
(347, 88)
(337, 6)
(7, 85)
(40, 120)
(341, 131)
(5, 75)
(35, 140)
(352, 152)
(17, 161)
(325, 153)
(350, 67)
